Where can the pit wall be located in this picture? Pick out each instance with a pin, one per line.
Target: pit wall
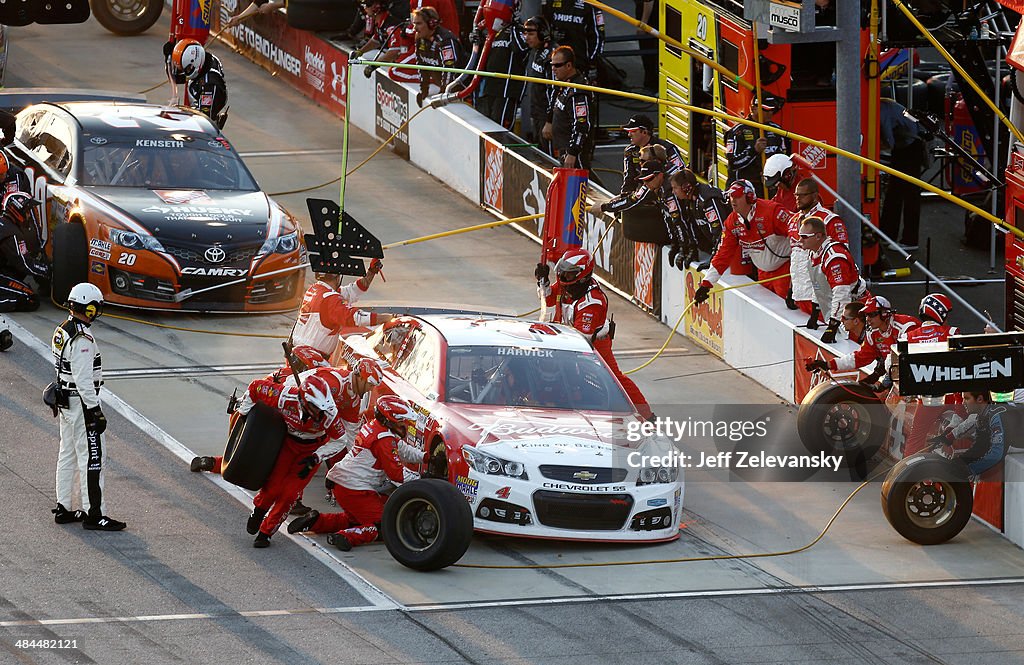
(749, 328)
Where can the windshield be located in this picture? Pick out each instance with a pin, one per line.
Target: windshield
(514, 376)
(183, 162)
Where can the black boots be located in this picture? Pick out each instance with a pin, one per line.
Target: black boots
(305, 522)
(253, 524)
(102, 523)
(62, 515)
(204, 463)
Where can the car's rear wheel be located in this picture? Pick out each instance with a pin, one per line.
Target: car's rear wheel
(70, 260)
(427, 524)
(127, 17)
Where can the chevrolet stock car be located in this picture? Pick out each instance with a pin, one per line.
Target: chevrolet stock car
(153, 205)
(530, 425)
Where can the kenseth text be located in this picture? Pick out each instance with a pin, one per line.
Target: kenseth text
(677, 430)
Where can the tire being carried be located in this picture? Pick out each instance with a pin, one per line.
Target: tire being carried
(253, 446)
(427, 524)
(844, 418)
(927, 498)
(70, 260)
(127, 17)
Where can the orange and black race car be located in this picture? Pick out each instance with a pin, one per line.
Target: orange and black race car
(153, 205)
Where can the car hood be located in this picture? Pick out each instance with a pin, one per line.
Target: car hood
(533, 429)
(190, 215)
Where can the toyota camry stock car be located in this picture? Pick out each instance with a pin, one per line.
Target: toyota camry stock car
(528, 422)
(153, 205)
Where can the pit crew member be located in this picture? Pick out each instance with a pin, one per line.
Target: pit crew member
(570, 125)
(640, 129)
(744, 145)
(499, 97)
(17, 261)
(205, 89)
(780, 174)
(537, 34)
(707, 211)
(576, 299)
(374, 462)
(808, 205)
(437, 46)
(984, 427)
(758, 228)
(833, 272)
(579, 26)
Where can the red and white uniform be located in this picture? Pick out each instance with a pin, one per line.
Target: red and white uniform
(323, 314)
(589, 315)
(763, 237)
(837, 281)
(931, 408)
(876, 343)
(785, 197)
(799, 260)
(374, 461)
(284, 487)
(401, 40)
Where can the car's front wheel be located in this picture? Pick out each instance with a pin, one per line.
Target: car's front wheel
(127, 17)
(70, 260)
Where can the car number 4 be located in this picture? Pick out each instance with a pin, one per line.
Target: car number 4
(126, 259)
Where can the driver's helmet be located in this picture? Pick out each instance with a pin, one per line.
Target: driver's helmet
(18, 206)
(935, 306)
(394, 413)
(318, 402)
(188, 57)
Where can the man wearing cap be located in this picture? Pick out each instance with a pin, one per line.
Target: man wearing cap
(884, 328)
(744, 145)
(655, 189)
(570, 125)
(640, 129)
(758, 228)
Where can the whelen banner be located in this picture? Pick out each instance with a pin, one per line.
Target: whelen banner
(308, 63)
(515, 187)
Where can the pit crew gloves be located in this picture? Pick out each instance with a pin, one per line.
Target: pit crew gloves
(816, 365)
(702, 293)
(831, 330)
(308, 464)
(95, 419)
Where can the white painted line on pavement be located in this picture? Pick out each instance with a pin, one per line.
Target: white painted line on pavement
(442, 607)
(362, 586)
(145, 372)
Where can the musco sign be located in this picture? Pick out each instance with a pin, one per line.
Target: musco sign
(974, 368)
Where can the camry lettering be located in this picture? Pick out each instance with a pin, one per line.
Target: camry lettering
(158, 143)
(215, 272)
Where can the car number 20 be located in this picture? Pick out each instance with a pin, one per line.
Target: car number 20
(126, 259)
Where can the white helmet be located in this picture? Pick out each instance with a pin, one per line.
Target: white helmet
(188, 57)
(87, 299)
(776, 165)
(318, 400)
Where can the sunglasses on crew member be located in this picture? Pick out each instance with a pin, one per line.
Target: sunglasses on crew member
(808, 235)
(557, 65)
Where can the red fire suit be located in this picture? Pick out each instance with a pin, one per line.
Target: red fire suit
(323, 314)
(375, 459)
(589, 315)
(930, 408)
(303, 438)
(763, 237)
(837, 281)
(799, 258)
(876, 343)
(785, 197)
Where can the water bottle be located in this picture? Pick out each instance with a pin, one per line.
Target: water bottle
(896, 272)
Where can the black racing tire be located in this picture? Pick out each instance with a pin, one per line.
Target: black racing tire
(927, 498)
(322, 15)
(127, 17)
(844, 418)
(253, 446)
(70, 260)
(427, 524)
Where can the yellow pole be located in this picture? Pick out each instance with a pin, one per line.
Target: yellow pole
(870, 175)
(467, 229)
(960, 70)
(733, 76)
(758, 92)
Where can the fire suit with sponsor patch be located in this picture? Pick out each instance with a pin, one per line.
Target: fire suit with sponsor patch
(441, 50)
(932, 406)
(572, 128)
(538, 65)
(800, 258)
(579, 25)
(325, 312)
(374, 462)
(837, 281)
(79, 366)
(744, 159)
(589, 315)
(208, 92)
(709, 211)
(18, 262)
(303, 438)
(677, 227)
(763, 236)
(987, 435)
(499, 98)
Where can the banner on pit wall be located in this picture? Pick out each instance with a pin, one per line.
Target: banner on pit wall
(514, 186)
(704, 322)
(805, 347)
(308, 63)
(391, 112)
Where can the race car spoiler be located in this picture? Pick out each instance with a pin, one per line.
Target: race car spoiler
(15, 99)
(971, 363)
